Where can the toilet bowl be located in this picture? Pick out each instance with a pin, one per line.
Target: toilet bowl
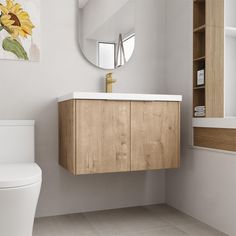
(20, 178)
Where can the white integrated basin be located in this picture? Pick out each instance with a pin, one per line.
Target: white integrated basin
(121, 97)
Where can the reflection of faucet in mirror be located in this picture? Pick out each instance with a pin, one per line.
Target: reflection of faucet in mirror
(109, 82)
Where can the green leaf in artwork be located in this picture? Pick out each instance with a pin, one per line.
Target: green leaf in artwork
(13, 46)
(1, 27)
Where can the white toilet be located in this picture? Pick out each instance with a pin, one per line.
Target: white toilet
(20, 178)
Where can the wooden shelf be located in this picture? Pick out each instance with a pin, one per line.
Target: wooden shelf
(200, 29)
(199, 87)
(199, 59)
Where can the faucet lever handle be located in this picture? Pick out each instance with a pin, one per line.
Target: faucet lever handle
(109, 75)
(109, 82)
(109, 78)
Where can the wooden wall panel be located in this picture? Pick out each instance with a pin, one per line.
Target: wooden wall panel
(223, 139)
(214, 72)
(102, 136)
(215, 13)
(67, 135)
(155, 132)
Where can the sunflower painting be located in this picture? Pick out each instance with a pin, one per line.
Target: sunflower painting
(19, 29)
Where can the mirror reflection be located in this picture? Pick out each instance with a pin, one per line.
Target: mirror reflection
(107, 31)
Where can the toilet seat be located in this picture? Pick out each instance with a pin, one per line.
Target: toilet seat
(19, 175)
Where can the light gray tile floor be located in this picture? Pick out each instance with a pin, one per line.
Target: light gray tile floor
(157, 220)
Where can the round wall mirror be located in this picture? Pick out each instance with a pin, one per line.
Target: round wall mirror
(107, 31)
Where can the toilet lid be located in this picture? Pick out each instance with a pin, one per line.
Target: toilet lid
(19, 175)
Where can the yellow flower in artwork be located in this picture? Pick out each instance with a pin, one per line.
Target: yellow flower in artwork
(15, 20)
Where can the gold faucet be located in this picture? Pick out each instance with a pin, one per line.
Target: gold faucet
(109, 82)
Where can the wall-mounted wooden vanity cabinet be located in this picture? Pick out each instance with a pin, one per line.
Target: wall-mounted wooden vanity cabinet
(106, 133)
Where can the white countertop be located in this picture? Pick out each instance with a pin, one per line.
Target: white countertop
(120, 97)
(223, 123)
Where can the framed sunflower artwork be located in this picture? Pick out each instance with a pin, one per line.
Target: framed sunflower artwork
(19, 30)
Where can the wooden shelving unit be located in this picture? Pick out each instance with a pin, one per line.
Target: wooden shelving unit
(199, 50)
(214, 43)
(208, 55)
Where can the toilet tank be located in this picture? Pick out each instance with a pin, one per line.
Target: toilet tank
(16, 141)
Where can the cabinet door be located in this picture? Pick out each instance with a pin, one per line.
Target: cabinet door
(102, 136)
(154, 135)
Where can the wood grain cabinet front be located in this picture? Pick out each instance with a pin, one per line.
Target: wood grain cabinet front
(99, 136)
(102, 136)
(154, 135)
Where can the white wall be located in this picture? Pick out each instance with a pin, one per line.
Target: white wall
(29, 91)
(204, 187)
(230, 71)
(230, 17)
